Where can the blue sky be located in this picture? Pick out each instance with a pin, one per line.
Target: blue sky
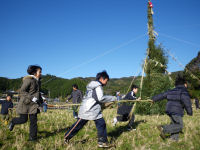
(78, 38)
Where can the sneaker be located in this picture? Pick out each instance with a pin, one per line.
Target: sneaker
(66, 141)
(114, 122)
(131, 128)
(162, 134)
(11, 126)
(103, 145)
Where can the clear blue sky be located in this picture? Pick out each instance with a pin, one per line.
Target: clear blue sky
(78, 38)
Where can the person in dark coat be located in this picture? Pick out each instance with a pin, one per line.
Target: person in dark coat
(197, 103)
(178, 100)
(6, 104)
(76, 97)
(30, 99)
(124, 109)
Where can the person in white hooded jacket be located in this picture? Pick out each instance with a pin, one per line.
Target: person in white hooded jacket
(90, 109)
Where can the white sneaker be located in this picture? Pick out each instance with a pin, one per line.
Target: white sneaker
(114, 121)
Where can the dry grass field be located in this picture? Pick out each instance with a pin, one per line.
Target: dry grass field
(53, 125)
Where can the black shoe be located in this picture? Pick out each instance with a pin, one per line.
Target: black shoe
(129, 128)
(11, 126)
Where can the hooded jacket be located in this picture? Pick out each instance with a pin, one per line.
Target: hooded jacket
(90, 108)
(178, 100)
(29, 89)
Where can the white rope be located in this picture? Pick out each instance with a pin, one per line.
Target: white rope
(161, 65)
(144, 67)
(138, 74)
(99, 56)
(180, 40)
(176, 59)
(182, 66)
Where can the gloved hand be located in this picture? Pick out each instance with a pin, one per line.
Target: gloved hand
(34, 100)
(66, 101)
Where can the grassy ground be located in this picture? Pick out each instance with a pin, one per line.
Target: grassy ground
(53, 125)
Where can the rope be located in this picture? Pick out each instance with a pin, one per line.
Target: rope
(163, 66)
(121, 101)
(145, 63)
(181, 65)
(99, 56)
(138, 73)
(180, 40)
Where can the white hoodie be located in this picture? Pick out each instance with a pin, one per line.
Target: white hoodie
(90, 108)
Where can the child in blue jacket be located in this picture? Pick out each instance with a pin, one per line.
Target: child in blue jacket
(178, 100)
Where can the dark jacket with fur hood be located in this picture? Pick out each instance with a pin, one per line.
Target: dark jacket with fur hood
(29, 89)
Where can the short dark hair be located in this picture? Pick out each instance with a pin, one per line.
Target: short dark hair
(9, 95)
(32, 69)
(180, 80)
(134, 87)
(103, 75)
(75, 86)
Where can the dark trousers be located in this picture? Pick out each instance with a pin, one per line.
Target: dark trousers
(5, 117)
(125, 117)
(197, 103)
(45, 108)
(33, 123)
(79, 124)
(175, 127)
(75, 111)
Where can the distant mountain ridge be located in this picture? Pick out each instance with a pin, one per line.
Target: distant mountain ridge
(60, 87)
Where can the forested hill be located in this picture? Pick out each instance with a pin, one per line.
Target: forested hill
(60, 87)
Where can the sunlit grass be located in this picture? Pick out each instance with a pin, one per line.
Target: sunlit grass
(53, 125)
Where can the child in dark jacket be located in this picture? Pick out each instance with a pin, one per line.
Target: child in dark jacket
(6, 104)
(124, 109)
(178, 100)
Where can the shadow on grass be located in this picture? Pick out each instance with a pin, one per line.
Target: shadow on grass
(46, 134)
(119, 130)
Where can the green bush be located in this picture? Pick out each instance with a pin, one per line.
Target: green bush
(159, 83)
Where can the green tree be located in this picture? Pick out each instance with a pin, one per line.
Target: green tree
(156, 80)
(192, 75)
